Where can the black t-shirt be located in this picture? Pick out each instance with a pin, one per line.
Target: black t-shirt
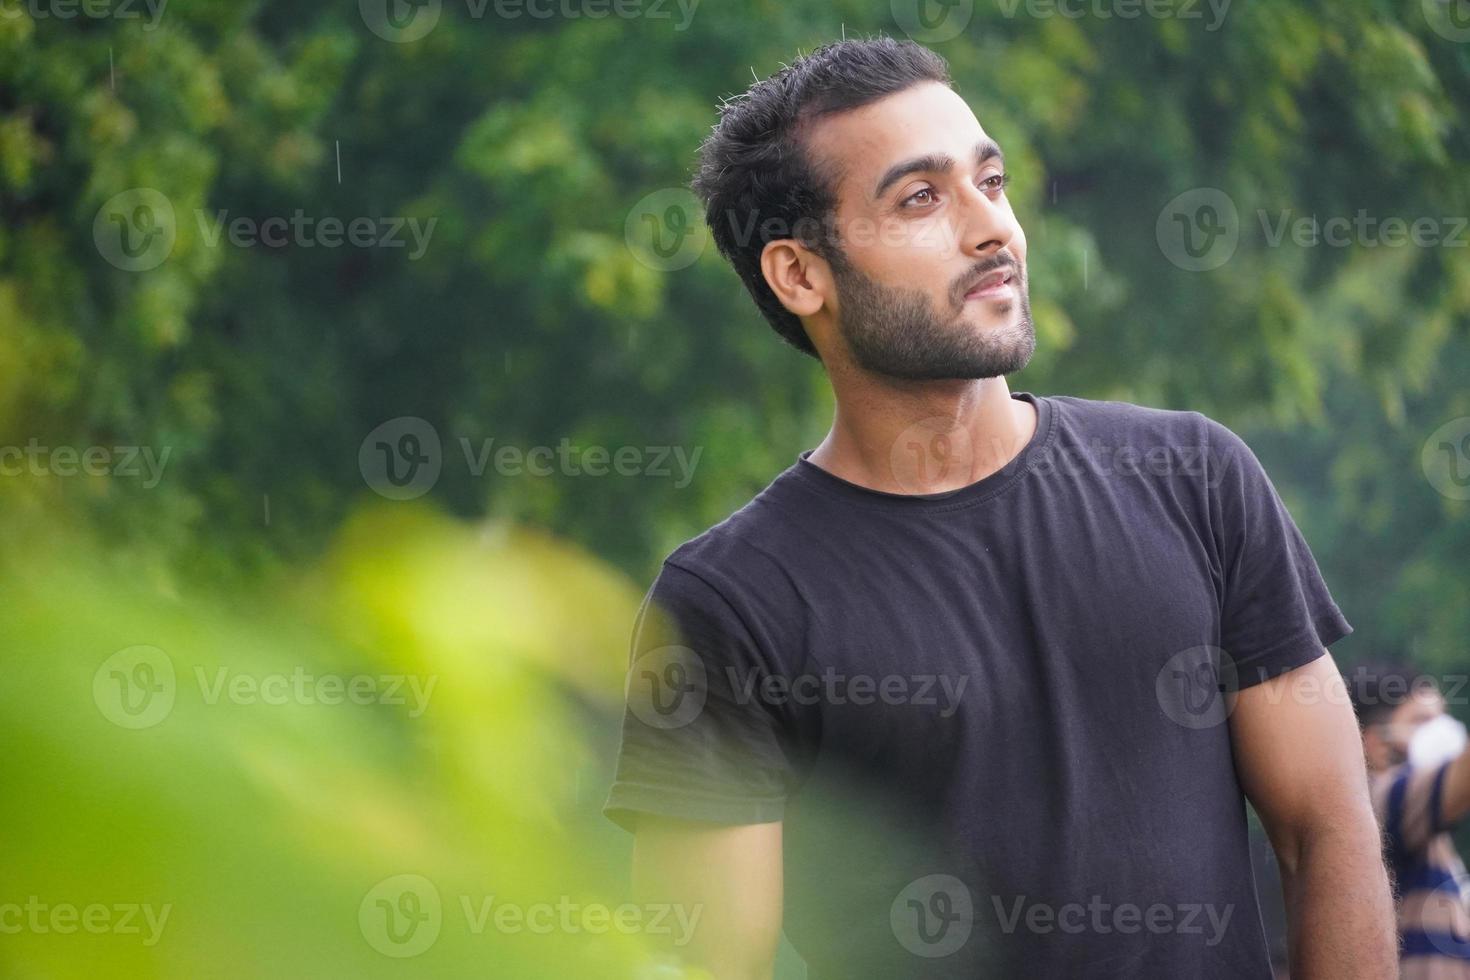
(990, 720)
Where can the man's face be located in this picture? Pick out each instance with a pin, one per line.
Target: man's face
(931, 283)
(1427, 704)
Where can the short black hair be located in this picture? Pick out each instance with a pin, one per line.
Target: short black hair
(1377, 689)
(754, 177)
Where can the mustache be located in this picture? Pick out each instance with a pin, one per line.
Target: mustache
(1001, 260)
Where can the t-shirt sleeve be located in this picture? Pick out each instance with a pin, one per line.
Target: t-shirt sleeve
(1407, 801)
(698, 740)
(1276, 612)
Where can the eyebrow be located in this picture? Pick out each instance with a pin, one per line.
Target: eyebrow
(985, 150)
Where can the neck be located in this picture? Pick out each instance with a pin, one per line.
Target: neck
(922, 436)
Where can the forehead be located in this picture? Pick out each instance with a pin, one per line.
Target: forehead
(1425, 702)
(858, 145)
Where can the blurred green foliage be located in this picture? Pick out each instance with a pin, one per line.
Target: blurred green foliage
(531, 319)
(261, 821)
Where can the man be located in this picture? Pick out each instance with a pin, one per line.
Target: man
(1420, 788)
(945, 699)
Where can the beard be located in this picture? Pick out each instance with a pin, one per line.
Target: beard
(897, 332)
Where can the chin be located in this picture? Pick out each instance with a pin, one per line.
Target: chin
(993, 315)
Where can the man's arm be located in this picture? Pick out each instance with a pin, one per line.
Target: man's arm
(1455, 795)
(725, 880)
(1299, 756)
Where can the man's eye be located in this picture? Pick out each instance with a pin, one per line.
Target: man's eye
(993, 184)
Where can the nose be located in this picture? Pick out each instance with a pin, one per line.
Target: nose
(988, 225)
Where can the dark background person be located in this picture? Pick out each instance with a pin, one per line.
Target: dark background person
(1420, 775)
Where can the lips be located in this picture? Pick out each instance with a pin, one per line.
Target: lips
(995, 281)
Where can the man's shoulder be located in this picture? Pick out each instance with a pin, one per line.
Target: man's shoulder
(746, 544)
(1191, 438)
(1132, 418)
(738, 577)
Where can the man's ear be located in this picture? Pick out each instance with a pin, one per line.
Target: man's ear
(800, 278)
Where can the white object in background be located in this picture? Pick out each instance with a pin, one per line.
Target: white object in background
(1437, 741)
